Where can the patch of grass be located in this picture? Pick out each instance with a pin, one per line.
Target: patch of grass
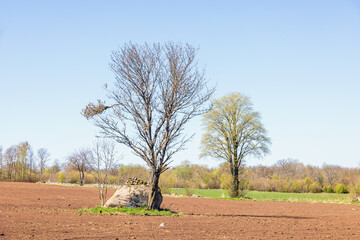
(272, 196)
(300, 197)
(130, 211)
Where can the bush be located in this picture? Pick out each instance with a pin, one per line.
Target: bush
(355, 193)
(225, 181)
(188, 191)
(89, 178)
(212, 179)
(167, 181)
(73, 177)
(297, 186)
(341, 188)
(61, 177)
(244, 186)
(314, 188)
(328, 189)
(113, 180)
(308, 182)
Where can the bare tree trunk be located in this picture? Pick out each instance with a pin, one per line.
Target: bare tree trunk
(22, 172)
(155, 197)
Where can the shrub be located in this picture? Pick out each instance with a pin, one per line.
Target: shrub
(341, 188)
(281, 185)
(226, 180)
(355, 193)
(89, 178)
(308, 182)
(212, 179)
(297, 186)
(167, 181)
(328, 189)
(113, 180)
(188, 191)
(314, 188)
(73, 177)
(61, 177)
(244, 186)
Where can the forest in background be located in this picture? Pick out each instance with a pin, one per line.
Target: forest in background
(21, 163)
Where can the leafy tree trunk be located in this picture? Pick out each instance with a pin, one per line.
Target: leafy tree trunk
(155, 197)
(235, 183)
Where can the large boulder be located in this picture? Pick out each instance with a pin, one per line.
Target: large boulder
(130, 196)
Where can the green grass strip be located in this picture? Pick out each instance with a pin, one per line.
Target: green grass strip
(129, 211)
(270, 196)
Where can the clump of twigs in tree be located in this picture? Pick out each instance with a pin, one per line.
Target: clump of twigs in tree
(92, 109)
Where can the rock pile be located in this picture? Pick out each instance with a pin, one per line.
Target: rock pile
(136, 181)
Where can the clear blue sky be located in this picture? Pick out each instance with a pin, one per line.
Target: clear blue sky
(299, 61)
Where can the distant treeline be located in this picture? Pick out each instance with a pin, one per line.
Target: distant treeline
(19, 163)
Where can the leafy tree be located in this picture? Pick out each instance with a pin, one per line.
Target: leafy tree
(22, 152)
(158, 89)
(234, 132)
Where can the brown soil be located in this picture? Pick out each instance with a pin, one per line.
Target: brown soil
(38, 211)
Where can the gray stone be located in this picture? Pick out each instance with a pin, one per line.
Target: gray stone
(129, 196)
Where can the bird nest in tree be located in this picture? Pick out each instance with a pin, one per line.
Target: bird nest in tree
(136, 181)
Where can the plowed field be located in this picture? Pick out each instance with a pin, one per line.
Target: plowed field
(38, 211)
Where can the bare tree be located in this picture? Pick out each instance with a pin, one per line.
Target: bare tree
(102, 162)
(80, 160)
(332, 173)
(158, 89)
(30, 154)
(234, 132)
(44, 157)
(290, 168)
(10, 157)
(316, 174)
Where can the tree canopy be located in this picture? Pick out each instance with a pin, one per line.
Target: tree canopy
(234, 131)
